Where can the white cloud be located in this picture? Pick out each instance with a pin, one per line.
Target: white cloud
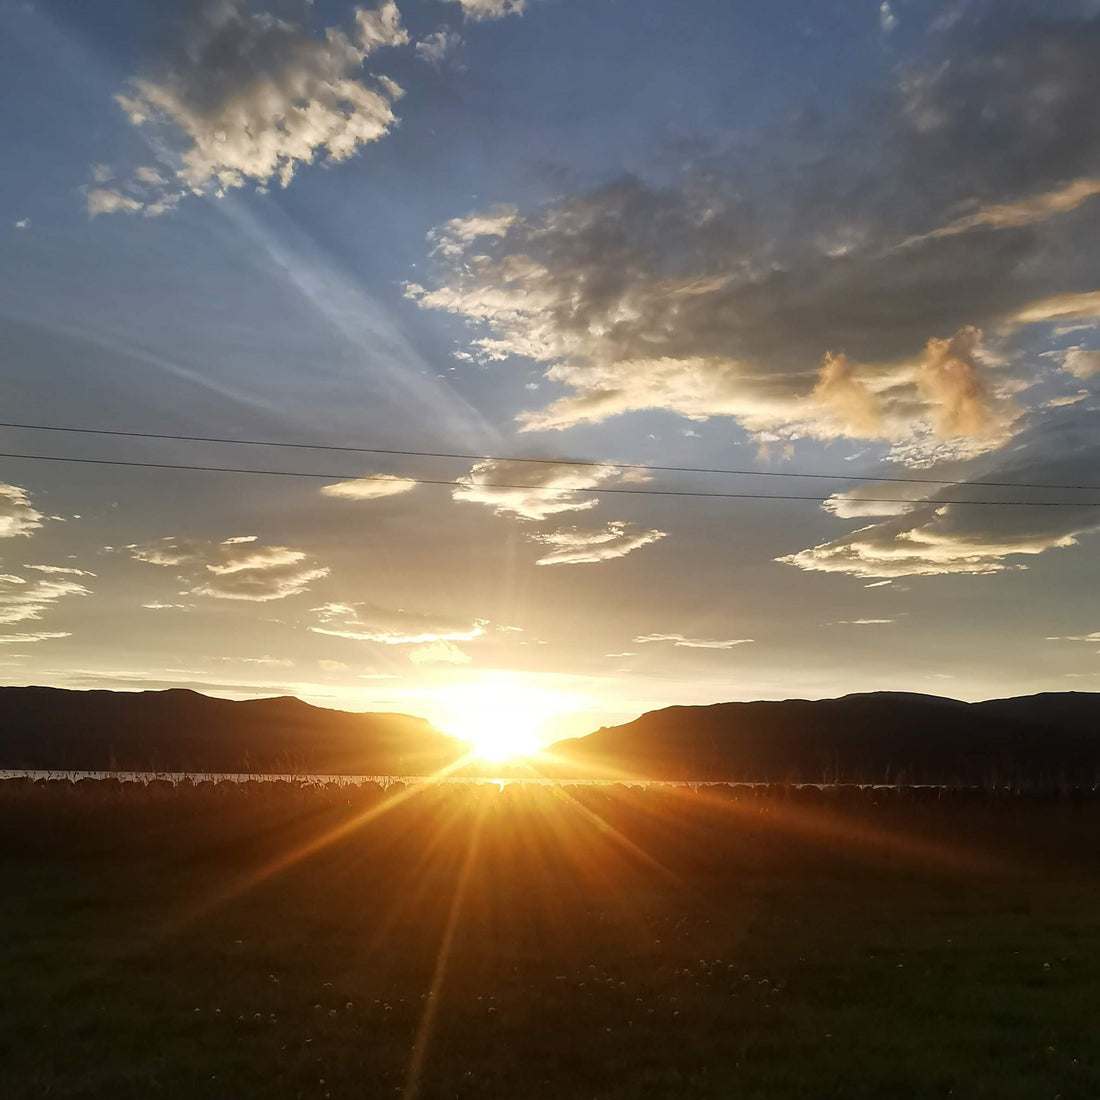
(1093, 637)
(939, 538)
(853, 503)
(35, 636)
(60, 570)
(1069, 399)
(369, 488)
(490, 9)
(17, 517)
(863, 622)
(1080, 362)
(532, 490)
(455, 235)
(683, 642)
(109, 200)
(364, 623)
(22, 223)
(438, 653)
(576, 546)
(234, 569)
(21, 600)
(435, 48)
(887, 20)
(332, 666)
(249, 96)
(156, 605)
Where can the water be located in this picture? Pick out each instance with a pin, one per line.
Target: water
(385, 781)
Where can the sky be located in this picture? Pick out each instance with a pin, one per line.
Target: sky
(788, 240)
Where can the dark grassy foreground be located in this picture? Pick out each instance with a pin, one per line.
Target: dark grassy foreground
(581, 943)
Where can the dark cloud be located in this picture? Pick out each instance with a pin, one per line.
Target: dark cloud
(724, 292)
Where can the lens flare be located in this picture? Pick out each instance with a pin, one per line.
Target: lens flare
(501, 719)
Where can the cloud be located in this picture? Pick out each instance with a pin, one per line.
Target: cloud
(60, 570)
(156, 605)
(17, 516)
(772, 290)
(854, 503)
(21, 600)
(364, 623)
(949, 375)
(693, 643)
(1061, 307)
(234, 569)
(531, 490)
(109, 200)
(887, 20)
(332, 666)
(251, 97)
(438, 653)
(1069, 399)
(1081, 363)
(435, 48)
(940, 538)
(584, 287)
(490, 9)
(1012, 215)
(864, 622)
(22, 223)
(575, 546)
(34, 636)
(844, 393)
(369, 488)
(1093, 637)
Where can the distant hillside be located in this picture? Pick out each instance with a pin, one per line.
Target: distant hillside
(179, 730)
(880, 737)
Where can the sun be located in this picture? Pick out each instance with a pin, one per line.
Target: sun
(500, 719)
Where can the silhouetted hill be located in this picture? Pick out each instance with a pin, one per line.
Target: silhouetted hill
(879, 737)
(181, 730)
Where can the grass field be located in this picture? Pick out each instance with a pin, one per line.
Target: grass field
(268, 941)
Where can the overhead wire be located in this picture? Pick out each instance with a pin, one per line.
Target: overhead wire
(450, 483)
(589, 463)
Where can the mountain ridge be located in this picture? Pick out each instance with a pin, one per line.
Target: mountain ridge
(1047, 738)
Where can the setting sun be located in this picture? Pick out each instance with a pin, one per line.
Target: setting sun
(501, 718)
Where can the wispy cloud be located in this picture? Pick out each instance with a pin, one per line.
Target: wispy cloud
(60, 570)
(234, 569)
(1012, 215)
(364, 623)
(17, 516)
(436, 48)
(369, 488)
(33, 636)
(576, 546)
(529, 490)
(22, 600)
(490, 9)
(684, 642)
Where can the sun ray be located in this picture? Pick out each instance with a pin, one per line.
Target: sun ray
(442, 961)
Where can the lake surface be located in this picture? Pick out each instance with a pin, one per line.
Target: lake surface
(385, 781)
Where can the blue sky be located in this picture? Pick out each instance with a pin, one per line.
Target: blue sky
(795, 238)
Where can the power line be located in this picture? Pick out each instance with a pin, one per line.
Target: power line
(544, 461)
(538, 488)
